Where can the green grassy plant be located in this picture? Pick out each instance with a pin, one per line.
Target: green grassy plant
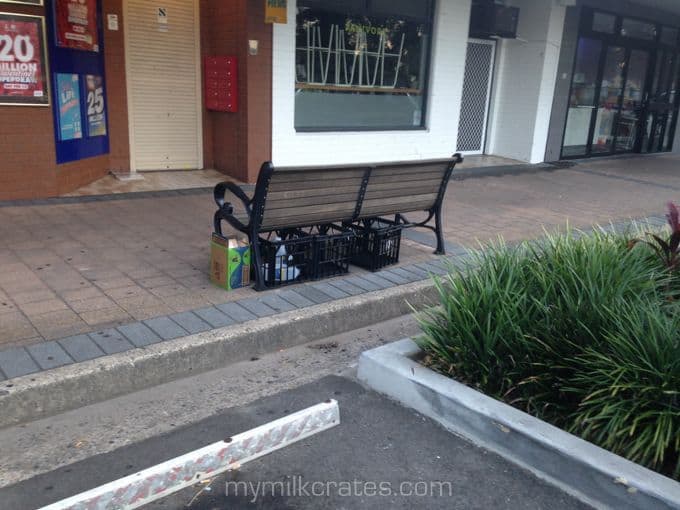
(577, 330)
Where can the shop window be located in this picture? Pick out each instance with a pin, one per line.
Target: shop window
(637, 29)
(605, 23)
(361, 64)
(669, 36)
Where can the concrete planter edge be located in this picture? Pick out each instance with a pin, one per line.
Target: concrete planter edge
(588, 472)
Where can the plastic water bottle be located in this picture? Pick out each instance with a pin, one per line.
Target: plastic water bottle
(284, 269)
(281, 268)
(292, 272)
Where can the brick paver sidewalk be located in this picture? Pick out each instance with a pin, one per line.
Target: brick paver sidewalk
(67, 269)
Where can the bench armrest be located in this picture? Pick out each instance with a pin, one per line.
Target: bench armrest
(226, 215)
(222, 187)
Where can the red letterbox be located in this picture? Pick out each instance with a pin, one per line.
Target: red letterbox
(221, 84)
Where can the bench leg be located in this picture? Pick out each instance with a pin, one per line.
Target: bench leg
(441, 249)
(257, 258)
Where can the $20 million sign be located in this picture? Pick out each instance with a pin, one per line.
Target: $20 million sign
(23, 62)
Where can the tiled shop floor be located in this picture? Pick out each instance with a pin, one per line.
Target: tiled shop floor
(71, 269)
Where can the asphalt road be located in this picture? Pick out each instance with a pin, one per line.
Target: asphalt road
(381, 456)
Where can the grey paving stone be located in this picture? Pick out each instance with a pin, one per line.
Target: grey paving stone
(381, 282)
(139, 334)
(421, 274)
(257, 307)
(236, 312)
(166, 328)
(111, 341)
(427, 239)
(49, 355)
(647, 221)
(295, 298)
(333, 292)
(190, 322)
(438, 262)
(315, 295)
(621, 228)
(460, 263)
(17, 362)
(457, 251)
(81, 348)
(277, 303)
(432, 269)
(658, 221)
(214, 317)
(387, 274)
(409, 277)
(362, 283)
(347, 287)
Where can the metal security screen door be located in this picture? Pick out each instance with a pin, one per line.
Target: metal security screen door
(474, 108)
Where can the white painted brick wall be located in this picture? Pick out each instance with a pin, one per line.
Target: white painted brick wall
(525, 82)
(445, 90)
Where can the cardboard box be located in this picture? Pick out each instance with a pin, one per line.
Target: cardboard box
(229, 262)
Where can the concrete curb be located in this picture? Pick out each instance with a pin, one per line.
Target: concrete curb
(582, 469)
(54, 391)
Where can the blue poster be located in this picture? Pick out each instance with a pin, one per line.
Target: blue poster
(68, 97)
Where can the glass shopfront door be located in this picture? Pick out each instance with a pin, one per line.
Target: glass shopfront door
(607, 99)
(661, 114)
(631, 105)
(624, 89)
(582, 99)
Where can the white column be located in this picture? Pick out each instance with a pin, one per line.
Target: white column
(525, 82)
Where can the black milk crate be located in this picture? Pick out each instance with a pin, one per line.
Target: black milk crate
(376, 246)
(288, 259)
(333, 248)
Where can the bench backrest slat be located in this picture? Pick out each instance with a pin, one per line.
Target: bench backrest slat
(298, 197)
(404, 187)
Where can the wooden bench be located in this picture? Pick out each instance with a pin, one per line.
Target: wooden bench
(290, 198)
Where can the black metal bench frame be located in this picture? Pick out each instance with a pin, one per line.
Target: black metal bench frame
(255, 208)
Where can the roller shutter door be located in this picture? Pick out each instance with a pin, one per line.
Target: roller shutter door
(162, 48)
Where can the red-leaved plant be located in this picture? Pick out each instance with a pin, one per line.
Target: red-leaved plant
(667, 249)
